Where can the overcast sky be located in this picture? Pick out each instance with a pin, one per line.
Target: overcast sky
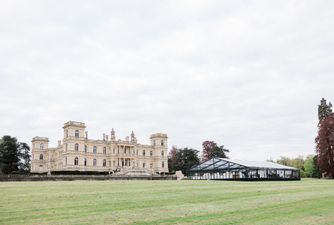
(246, 74)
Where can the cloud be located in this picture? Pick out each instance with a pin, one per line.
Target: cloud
(248, 75)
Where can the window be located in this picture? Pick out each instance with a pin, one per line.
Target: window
(104, 150)
(113, 151)
(162, 142)
(94, 150)
(162, 153)
(109, 163)
(104, 163)
(76, 147)
(163, 164)
(76, 133)
(94, 162)
(114, 163)
(153, 142)
(143, 152)
(151, 153)
(41, 157)
(41, 146)
(144, 164)
(76, 161)
(85, 162)
(85, 148)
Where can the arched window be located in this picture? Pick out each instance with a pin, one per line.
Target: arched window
(41, 146)
(41, 157)
(104, 150)
(85, 148)
(85, 162)
(163, 164)
(144, 164)
(162, 142)
(104, 163)
(151, 153)
(76, 147)
(94, 162)
(143, 152)
(76, 133)
(94, 149)
(162, 153)
(76, 161)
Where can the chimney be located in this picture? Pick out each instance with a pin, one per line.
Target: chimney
(86, 134)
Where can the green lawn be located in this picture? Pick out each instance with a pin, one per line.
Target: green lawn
(167, 202)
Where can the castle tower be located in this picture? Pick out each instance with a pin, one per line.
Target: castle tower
(74, 129)
(74, 142)
(159, 142)
(39, 162)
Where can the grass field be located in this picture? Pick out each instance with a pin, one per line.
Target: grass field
(167, 202)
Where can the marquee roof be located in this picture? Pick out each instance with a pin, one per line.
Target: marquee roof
(229, 164)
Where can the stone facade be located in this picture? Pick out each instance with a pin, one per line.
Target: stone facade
(78, 153)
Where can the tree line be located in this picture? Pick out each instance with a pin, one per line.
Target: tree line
(307, 166)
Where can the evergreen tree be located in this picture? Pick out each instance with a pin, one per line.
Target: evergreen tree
(14, 156)
(9, 154)
(24, 152)
(183, 159)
